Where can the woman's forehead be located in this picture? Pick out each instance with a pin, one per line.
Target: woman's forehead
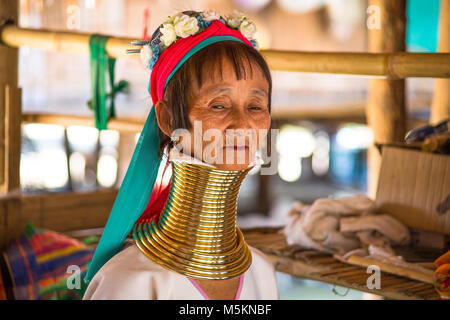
(219, 78)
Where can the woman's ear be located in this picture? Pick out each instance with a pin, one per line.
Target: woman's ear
(162, 116)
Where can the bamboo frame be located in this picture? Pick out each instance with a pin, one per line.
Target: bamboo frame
(440, 107)
(386, 107)
(391, 65)
(121, 125)
(51, 211)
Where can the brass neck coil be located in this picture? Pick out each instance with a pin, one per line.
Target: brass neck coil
(196, 234)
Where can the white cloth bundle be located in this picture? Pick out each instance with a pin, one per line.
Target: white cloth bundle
(343, 226)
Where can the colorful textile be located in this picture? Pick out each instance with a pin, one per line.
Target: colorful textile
(36, 267)
(442, 276)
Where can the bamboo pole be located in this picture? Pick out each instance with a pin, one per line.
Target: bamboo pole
(10, 107)
(10, 133)
(392, 65)
(440, 108)
(386, 111)
(122, 125)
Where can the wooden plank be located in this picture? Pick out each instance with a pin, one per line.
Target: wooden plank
(386, 109)
(2, 135)
(310, 264)
(58, 212)
(78, 199)
(397, 270)
(398, 65)
(68, 211)
(440, 107)
(13, 226)
(12, 139)
(10, 106)
(3, 227)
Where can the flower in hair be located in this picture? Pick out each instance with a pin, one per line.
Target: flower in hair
(247, 28)
(168, 34)
(235, 19)
(210, 15)
(146, 55)
(187, 23)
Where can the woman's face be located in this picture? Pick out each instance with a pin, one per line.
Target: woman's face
(229, 117)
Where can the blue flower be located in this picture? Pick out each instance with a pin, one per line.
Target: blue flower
(153, 61)
(203, 24)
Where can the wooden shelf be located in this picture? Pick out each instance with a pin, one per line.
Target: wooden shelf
(314, 265)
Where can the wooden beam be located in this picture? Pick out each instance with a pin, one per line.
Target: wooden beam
(440, 108)
(381, 64)
(10, 107)
(386, 111)
(10, 122)
(55, 211)
(122, 125)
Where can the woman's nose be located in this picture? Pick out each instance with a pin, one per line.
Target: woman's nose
(239, 120)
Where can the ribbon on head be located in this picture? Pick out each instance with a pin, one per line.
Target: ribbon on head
(139, 182)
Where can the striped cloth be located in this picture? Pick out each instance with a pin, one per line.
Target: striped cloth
(44, 265)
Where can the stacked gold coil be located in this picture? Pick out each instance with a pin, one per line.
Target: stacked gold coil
(196, 234)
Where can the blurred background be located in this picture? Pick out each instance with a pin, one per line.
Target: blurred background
(323, 140)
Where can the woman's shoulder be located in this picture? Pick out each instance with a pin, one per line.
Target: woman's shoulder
(260, 259)
(127, 275)
(263, 275)
(131, 260)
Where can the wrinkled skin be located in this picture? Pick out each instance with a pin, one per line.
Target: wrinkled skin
(224, 104)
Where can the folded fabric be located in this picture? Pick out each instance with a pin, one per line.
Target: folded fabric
(340, 226)
(442, 276)
(39, 264)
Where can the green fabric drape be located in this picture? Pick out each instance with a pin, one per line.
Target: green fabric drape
(100, 64)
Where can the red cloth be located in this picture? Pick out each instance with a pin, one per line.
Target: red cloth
(158, 198)
(170, 57)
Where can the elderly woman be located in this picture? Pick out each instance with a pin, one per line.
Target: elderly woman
(209, 82)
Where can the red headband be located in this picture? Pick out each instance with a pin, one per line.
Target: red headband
(170, 57)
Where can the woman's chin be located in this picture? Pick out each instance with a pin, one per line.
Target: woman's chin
(231, 167)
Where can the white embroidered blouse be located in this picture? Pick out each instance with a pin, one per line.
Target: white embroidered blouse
(130, 275)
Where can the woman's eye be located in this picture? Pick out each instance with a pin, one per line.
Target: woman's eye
(218, 106)
(255, 108)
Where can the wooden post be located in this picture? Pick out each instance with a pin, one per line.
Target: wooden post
(440, 107)
(10, 124)
(10, 107)
(386, 112)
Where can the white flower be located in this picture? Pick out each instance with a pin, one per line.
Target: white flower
(170, 19)
(169, 35)
(185, 25)
(235, 19)
(210, 15)
(146, 55)
(248, 29)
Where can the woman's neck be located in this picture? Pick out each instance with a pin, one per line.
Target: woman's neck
(196, 233)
